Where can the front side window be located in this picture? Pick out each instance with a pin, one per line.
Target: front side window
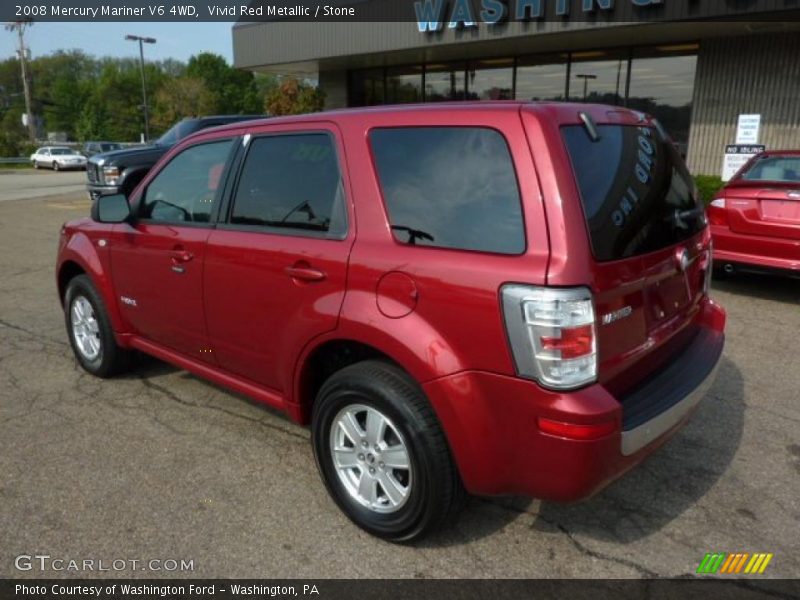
(291, 182)
(185, 189)
(450, 187)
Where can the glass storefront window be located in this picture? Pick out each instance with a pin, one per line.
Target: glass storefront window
(662, 84)
(367, 88)
(542, 77)
(491, 79)
(598, 76)
(444, 82)
(404, 85)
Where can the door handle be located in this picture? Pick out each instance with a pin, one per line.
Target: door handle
(305, 273)
(181, 256)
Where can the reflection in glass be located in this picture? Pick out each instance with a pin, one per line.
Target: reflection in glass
(662, 85)
(366, 87)
(404, 85)
(491, 80)
(444, 82)
(542, 77)
(595, 78)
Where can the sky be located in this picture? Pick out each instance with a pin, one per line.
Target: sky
(174, 40)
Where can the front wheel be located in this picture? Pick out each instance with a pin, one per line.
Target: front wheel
(36, 164)
(55, 166)
(382, 453)
(89, 330)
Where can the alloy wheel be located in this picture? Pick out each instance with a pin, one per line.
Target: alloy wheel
(371, 458)
(85, 328)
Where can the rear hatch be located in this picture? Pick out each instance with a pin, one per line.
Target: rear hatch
(763, 209)
(649, 242)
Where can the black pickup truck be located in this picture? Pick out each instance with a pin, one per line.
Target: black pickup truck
(119, 171)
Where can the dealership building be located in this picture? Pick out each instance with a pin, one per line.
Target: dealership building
(697, 65)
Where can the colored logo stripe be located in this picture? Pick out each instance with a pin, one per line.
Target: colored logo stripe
(723, 562)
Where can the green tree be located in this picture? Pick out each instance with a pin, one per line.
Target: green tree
(183, 97)
(293, 97)
(234, 91)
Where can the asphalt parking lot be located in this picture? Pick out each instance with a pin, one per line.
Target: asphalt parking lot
(159, 464)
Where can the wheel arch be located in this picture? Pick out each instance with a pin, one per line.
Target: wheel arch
(80, 257)
(320, 360)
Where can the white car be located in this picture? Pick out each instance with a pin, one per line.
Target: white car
(57, 158)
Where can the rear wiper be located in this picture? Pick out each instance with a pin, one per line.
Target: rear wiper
(413, 234)
(679, 217)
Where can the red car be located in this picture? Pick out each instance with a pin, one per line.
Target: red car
(755, 218)
(498, 298)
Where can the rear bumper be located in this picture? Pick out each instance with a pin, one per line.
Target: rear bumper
(755, 252)
(491, 422)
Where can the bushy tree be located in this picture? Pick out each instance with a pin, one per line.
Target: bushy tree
(234, 91)
(293, 97)
(183, 97)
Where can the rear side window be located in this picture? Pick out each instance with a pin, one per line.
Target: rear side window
(637, 195)
(291, 182)
(450, 187)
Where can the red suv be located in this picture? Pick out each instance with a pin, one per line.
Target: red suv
(498, 298)
(755, 218)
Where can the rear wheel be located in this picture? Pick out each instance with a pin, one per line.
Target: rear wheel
(382, 454)
(89, 330)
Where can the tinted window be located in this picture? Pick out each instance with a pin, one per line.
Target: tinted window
(452, 187)
(177, 132)
(291, 182)
(774, 168)
(637, 195)
(185, 189)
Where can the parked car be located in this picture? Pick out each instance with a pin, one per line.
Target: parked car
(120, 171)
(755, 217)
(92, 148)
(57, 158)
(522, 307)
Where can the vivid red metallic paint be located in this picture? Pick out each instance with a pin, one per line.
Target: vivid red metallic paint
(238, 318)
(759, 227)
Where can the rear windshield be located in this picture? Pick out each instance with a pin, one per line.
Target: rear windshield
(774, 168)
(636, 192)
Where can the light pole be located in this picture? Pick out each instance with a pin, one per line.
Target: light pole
(19, 27)
(143, 40)
(586, 78)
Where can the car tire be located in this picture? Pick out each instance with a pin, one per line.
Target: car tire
(55, 166)
(35, 164)
(89, 330)
(395, 503)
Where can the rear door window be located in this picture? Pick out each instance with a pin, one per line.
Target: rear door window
(636, 193)
(450, 187)
(291, 183)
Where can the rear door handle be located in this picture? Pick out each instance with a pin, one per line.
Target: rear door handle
(181, 256)
(305, 273)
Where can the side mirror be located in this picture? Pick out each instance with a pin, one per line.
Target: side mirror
(111, 209)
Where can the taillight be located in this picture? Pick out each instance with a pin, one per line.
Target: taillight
(717, 215)
(552, 334)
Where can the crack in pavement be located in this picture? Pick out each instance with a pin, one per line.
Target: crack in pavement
(174, 397)
(33, 334)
